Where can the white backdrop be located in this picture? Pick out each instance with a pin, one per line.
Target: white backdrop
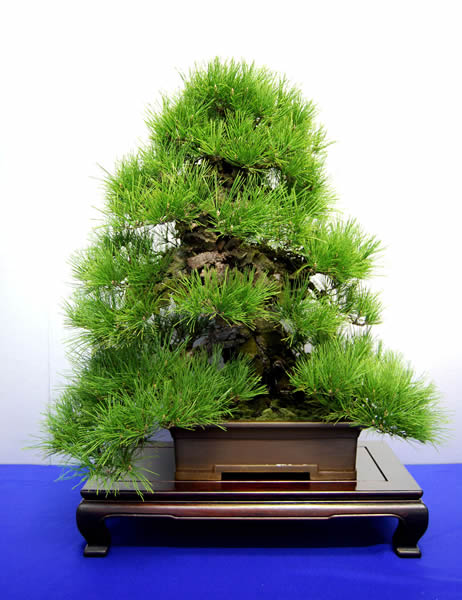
(75, 80)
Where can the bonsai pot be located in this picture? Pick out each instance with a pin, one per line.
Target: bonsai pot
(267, 451)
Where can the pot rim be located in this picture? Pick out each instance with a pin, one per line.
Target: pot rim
(276, 425)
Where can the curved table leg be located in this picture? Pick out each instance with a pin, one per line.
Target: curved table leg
(413, 517)
(93, 528)
(411, 527)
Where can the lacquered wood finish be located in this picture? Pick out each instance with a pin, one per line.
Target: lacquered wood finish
(383, 488)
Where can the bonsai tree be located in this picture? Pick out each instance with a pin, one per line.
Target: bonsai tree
(222, 286)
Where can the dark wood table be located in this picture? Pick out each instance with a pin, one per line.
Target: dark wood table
(383, 488)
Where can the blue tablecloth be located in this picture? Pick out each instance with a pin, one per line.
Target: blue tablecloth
(41, 550)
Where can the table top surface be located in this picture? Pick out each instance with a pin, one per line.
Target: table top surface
(380, 476)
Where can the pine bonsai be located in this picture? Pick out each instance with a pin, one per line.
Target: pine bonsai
(222, 286)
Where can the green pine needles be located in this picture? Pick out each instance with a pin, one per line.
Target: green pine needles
(223, 286)
(234, 297)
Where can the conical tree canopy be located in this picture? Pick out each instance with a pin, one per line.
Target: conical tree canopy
(223, 286)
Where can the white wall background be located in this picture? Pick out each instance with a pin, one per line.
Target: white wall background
(75, 80)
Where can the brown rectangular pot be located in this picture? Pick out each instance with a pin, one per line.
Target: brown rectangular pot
(268, 450)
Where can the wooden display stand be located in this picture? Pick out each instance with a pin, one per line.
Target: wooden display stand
(383, 488)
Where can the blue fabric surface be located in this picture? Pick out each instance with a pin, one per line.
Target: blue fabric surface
(41, 550)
